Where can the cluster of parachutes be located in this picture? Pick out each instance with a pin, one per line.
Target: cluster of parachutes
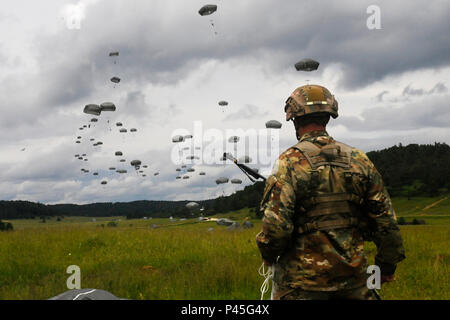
(185, 171)
(97, 110)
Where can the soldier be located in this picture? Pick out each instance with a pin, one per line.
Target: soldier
(321, 202)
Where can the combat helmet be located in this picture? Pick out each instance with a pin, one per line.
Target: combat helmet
(309, 99)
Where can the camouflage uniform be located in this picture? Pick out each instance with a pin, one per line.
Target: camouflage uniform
(317, 214)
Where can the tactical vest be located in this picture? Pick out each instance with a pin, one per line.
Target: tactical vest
(329, 211)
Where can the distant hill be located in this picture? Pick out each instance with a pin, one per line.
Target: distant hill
(413, 170)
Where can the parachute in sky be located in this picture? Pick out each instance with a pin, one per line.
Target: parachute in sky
(115, 79)
(307, 65)
(93, 109)
(135, 163)
(273, 124)
(192, 205)
(177, 139)
(222, 180)
(108, 106)
(207, 9)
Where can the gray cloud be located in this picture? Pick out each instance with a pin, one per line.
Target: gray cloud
(165, 48)
(429, 113)
(246, 112)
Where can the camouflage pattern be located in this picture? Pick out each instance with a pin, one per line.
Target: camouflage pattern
(361, 293)
(325, 260)
(310, 99)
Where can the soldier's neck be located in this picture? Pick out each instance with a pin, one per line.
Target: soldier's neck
(309, 128)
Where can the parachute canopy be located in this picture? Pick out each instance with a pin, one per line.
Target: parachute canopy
(92, 109)
(307, 65)
(222, 180)
(192, 205)
(273, 124)
(135, 163)
(178, 139)
(108, 106)
(115, 79)
(207, 9)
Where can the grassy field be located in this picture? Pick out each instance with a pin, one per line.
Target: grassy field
(186, 260)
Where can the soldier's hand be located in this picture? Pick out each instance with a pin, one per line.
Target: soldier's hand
(385, 279)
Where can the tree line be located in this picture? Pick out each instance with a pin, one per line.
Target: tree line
(413, 170)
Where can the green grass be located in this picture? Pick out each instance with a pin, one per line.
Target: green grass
(183, 260)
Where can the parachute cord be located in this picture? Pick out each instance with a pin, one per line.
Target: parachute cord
(268, 275)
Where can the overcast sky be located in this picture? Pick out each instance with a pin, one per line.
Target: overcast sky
(392, 85)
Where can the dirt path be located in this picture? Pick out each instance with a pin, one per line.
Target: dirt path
(435, 203)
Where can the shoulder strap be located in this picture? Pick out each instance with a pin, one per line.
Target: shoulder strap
(335, 154)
